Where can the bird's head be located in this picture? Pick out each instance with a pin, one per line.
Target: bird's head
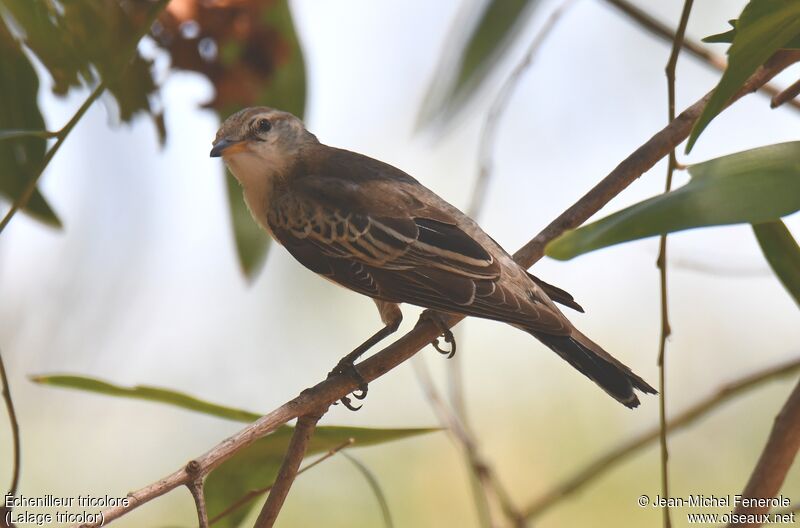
(259, 140)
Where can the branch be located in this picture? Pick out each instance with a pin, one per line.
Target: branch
(661, 263)
(12, 418)
(253, 494)
(613, 457)
(333, 389)
(298, 445)
(696, 49)
(643, 160)
(775, 459)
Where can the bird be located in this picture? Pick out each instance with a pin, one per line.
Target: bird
(372, 228)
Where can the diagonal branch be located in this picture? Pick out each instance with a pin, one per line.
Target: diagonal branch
(319, 397)
(613, 457)
(774, 462)
(298, 445)
(12, 418)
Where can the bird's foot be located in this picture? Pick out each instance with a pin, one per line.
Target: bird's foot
(448, 336)
(346, 367)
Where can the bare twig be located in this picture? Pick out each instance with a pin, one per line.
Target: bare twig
(375, 486)
(774, 462)
(661, 263)
(334, 388)
(254, 494)
(196, 489)
(12, 419)
(303, 431)
(696, 49)
(491, 487)
(613, 457)
(787, 95)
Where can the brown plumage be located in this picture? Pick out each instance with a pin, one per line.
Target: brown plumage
(374, 229)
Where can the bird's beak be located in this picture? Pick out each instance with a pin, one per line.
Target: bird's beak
(226, 146)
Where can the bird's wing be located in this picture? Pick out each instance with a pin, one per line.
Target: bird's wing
(387, 241)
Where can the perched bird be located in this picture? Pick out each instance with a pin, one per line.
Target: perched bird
(374, 229)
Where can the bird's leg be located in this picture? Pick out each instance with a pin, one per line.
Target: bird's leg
(448, 336)
(391, 317)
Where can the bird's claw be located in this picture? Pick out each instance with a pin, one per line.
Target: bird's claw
(448, 336)
(347, 368)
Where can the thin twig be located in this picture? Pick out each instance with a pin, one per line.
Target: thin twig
(613, 457)
(254, 494)
(12, 419)
(376, 488)
(333, 389)
(303, 431)
(17, 134)
(787, 95)
(491, 487)
(196, 489)
(661, 263)
(696, 49)
(774, 462)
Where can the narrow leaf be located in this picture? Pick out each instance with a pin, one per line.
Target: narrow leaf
(144, 392)
(782, 253)
(764, 27)
(464, 69)
(753, 186)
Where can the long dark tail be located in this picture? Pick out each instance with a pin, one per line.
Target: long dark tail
(597, 365)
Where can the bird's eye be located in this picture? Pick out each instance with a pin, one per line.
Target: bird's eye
(263, 125)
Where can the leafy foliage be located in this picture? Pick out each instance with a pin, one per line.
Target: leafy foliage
(764, 27)
(754, 186)
(21, 158)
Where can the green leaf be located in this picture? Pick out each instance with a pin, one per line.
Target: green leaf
(252, 468)
(485, 46)
(251, 241)
(256, 466)
(764, 27)
(21, 157)
(727, 38)
(753, 186)
(84, 43)
(143, 392)
(782, 253)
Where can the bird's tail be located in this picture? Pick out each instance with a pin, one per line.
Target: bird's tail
(597, 365)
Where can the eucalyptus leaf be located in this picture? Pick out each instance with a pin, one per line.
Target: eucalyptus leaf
(144, 392)
(782, 253)
(727, 37)
(754, 186)
(463, 69)
(764, 27)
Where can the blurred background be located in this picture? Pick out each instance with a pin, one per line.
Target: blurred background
(143, 284)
